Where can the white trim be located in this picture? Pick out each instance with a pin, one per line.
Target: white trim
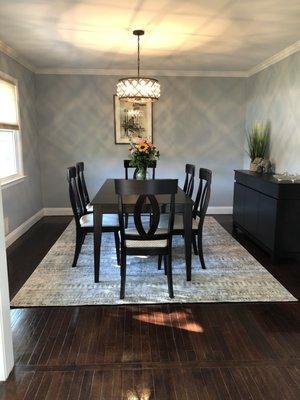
(10, 52)
(147, 72)
(220, 210)
(23, 228)
(6, 345)
(6, 183)
(275, 58)
(68, 211)
(57, 211)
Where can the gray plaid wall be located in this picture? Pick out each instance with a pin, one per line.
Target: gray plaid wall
(24, 199)
(198, 120)
(274, 95)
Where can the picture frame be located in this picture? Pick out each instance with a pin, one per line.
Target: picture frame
(132, 120)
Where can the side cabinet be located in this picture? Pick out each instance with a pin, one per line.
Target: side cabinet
(268, 212)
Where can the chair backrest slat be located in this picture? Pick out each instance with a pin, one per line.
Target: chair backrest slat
(143, 197)
(77, 206)
(83, 192)
(127, 166)
(188, 186)
(203, 194)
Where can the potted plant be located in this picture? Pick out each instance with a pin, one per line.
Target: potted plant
(141, 155)
(258, 139)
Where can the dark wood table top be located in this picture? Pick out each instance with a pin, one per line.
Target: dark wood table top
(107, 198)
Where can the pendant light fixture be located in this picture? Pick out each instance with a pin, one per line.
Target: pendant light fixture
(138, 88)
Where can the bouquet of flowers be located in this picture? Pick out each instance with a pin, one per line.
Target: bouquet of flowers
(142, 154)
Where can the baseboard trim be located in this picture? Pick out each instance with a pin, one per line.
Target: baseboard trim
(220, 210)
(57, 211)
(68, 211)
(23, 228)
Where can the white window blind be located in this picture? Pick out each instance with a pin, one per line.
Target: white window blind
(11, 165)
(9, 118)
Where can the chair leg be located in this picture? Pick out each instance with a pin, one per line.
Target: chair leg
(126, 220)
(123, 274)
(159, 261)
(195, 245)
(117, 243)
(169, 275)
(165, 264)
(200, 250)
(79, 241)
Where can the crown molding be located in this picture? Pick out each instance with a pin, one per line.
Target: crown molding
(10, 52)
(4, 48)
(288, 51)
(132, 72)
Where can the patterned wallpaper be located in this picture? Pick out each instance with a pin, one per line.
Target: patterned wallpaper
(67, 118)
(24, 199)
(198, 120)
(274, 95)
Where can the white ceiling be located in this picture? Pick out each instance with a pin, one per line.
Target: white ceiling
(206, 35)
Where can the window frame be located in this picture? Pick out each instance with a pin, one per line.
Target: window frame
(19, 176)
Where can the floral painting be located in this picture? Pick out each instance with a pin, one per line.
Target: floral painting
(133, 121)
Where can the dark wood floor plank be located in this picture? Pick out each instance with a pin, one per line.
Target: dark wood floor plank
(65, 387)
(108, 384)
(86, 334)
(76, 385)
(60, 338)
(51, 337)
(241, 385)
(232, 386)
(96, 387)
(86, 385)
(55, 384)
(34, 385)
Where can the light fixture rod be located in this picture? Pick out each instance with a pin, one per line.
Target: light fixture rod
(138, 33)
(138, 56)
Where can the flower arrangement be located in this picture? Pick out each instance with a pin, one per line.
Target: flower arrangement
(142, 154)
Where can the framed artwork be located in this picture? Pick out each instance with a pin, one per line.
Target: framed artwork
(132, 120)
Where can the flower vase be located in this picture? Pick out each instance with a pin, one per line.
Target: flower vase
(142, 174)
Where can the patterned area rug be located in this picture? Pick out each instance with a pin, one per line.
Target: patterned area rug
(232, 275)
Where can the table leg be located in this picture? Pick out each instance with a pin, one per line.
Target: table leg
(97, 241)
(187, 221)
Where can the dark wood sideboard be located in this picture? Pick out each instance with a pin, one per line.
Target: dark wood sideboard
(268, 211)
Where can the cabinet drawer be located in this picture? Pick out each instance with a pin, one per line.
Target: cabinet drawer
(266, 220)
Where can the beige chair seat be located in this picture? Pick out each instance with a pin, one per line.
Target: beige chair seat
(145, 243)
(87, 221)
(89, 208)
(178, 222)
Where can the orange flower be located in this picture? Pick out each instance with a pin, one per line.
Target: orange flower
(143, 147)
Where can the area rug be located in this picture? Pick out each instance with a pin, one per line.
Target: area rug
(232, 275)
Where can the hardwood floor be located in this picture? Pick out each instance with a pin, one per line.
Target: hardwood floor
(162, 352)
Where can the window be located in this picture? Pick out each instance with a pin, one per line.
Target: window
(11, 167)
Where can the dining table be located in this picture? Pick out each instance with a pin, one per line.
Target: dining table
(106, 202)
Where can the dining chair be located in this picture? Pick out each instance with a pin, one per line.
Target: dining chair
(83, 192)
(198, 213)
(127, 166)
(84, 222)
(145, 238)
(188, 186)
